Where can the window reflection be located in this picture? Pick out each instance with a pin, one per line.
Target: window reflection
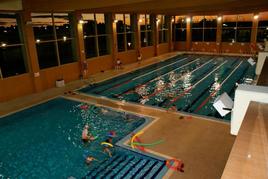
(179, 28)
(145, 30)
(96, 36)
(12, 51)
(162, 22)
(54, 36)
(125, 32)
(262, 33)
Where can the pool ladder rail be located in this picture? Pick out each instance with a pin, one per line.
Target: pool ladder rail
(127, 166)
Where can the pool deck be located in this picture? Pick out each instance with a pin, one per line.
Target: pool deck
(202, 144)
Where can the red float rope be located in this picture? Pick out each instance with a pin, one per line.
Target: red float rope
(177, 164)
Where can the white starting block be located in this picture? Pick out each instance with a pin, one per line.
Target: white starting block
(251, 61)
(223, 103)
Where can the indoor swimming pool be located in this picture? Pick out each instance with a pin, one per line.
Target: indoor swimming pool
(44, 141)
(187, 83)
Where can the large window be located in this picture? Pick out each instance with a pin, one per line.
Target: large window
(180, 28)
(237, 28)
(96, 35)
(204, 28)
(162, 22)
(145, 23)
(54, 36)
(125, 32)
(262, 35)
(12, 52)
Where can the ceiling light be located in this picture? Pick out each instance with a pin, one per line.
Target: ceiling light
(256, 16)
(82, 21)
(37, 40)
(188, 19)
(219, 18)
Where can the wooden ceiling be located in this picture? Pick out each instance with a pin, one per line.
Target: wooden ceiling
(173, 7)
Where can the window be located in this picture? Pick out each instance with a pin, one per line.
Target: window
(12, 49)
(229, 28)
(204, 28)
(162, 22)
(146, 30)
(197, 28)
(262, 34)
(237, 28)
(180, 28)
(244, 26)
(54, 36)
(125, 32)
(96, 36)
(210, 28)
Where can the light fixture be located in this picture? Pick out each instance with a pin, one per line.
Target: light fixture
(3, 45)
(115, 21)
(64, 38)
(256, 16)
(81, 21)
(188, 19)
(266, 28)
(219, 18)
(37, 40)
(157, 20)
(172, 20)
(140, 20)
(5, 31)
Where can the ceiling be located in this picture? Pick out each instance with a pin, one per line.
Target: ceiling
(173, 7)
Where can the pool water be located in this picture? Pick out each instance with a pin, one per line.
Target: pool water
(188, 83)
(45, 142)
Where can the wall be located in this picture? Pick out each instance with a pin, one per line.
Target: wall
(147, 52)
(180, 46)
(11, 5)
(235, 47)
(204, 47)
(102, 63)
(127, 57)
(243, 95)
(16, 86)
(68, 72)
(162, 48)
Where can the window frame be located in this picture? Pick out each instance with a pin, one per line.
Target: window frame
(146, 31)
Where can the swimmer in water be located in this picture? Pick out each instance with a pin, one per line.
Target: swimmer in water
(86, 135)
(90, 159)
(106, 148)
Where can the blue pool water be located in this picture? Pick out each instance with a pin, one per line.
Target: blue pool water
(45, 142)
(188, 83)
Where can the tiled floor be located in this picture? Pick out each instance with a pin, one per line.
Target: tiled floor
(203, 145)
(249, 156)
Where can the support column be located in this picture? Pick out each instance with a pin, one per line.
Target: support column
(170, 35)
(218, 35)
(113, 42)
(80, 45)
(137, 33)
(155, 34)
(253, 38)
(188, 35)
(31, 52)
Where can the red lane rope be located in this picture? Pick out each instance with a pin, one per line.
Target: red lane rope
(207, 99)
(178, 97)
